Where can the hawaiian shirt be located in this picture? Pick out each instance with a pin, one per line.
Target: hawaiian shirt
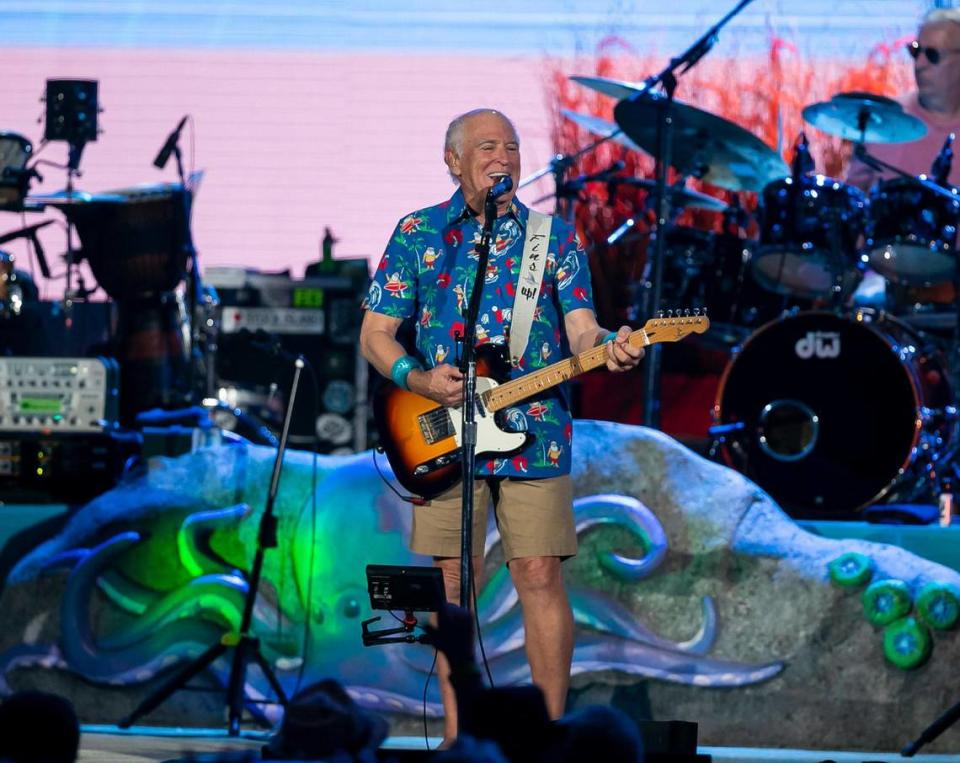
(427, 273)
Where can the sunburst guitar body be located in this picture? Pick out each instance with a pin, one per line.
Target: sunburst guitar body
(422, 439)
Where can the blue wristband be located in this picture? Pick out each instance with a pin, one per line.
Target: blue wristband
(609, 337)
(402, 367)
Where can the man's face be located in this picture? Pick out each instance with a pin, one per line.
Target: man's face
(939, 84)
(489, 149)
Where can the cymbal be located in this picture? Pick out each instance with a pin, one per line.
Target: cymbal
(864, 117)
(64, 199)
(679, 196)
(615, 88)
(600, 127)
(704, 145)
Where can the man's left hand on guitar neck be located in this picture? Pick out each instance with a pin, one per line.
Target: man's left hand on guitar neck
(621, 355)
(583, 332)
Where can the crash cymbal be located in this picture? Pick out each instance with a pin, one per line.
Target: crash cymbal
(704, 145)
(865, 117)
(679, 196)
(64, 199)
(615, 88)
(600, 127)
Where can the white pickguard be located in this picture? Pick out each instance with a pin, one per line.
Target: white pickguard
(490, 437)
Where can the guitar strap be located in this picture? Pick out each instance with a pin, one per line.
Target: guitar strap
(535, 246)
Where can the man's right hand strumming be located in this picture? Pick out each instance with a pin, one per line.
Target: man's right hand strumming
(443, 384)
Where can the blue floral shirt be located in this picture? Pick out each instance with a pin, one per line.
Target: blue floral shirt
(427, 272)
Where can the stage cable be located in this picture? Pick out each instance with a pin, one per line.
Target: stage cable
(476, 619)
(415, 500)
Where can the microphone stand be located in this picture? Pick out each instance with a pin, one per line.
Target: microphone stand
(194, 283)
(246, 646)
(667, 79)
(468, 430)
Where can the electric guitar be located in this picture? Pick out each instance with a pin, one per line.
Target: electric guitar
(422, 439)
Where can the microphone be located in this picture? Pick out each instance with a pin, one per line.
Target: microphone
(503, 185)
(940, 170)
(164, 155)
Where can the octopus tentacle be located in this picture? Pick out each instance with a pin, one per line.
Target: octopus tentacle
(624, 511)
(598, 653)
(192, 541)
(220, 595)
(602, 613)
(166, 645)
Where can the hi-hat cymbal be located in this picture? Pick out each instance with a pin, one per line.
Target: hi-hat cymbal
(703, 145)
(865, 117)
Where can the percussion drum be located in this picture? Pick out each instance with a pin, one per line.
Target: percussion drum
(15, 151)
(710, 270)
(835, 411)
(810, 230)
(912, 233)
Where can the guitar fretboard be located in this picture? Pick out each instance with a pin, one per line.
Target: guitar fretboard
(527, 386)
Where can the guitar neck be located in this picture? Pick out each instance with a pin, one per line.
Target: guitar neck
(514, 391)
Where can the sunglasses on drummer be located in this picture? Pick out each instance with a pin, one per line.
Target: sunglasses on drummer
(933, 54)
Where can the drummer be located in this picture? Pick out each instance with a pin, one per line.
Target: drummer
(936, 101)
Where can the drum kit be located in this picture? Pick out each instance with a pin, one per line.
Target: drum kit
(828, 402)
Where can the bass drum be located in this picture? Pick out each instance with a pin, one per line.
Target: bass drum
(831, 412)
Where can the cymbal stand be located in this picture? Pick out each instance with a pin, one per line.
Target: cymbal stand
(667, 80)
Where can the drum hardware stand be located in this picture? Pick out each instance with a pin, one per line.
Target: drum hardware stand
(30, 232)
(246, 646)
(667, 80)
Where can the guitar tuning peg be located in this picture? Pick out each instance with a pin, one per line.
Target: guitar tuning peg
(660, 313)
(686, 313)
(669, 313)
(696, 312)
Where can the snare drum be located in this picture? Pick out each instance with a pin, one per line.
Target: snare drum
(809, 235)
(15, 151)
(836, 411)
(912, 234)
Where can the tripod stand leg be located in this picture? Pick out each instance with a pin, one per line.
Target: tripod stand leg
(235, 688)
(178, 681)
(271, 677)
(248, 649)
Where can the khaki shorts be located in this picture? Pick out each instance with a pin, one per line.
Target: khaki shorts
(535, 518)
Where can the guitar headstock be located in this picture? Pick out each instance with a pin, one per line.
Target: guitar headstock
(674, 325)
